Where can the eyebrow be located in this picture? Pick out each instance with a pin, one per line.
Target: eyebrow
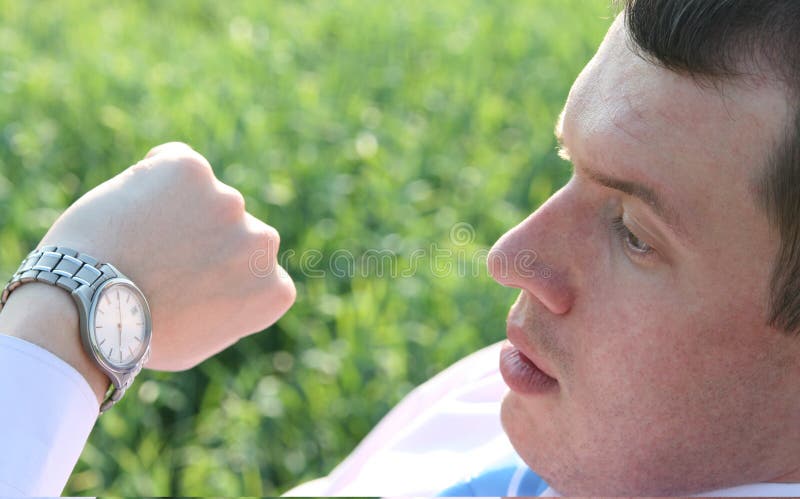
(641, 191)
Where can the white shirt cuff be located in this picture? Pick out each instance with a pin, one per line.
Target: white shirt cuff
(47, 411)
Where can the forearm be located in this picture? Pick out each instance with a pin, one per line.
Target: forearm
(47, 316)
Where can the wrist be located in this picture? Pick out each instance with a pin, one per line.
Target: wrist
(48, 317)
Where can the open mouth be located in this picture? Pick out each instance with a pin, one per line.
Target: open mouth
(521, 374)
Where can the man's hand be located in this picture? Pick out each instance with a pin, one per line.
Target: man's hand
(186, 240)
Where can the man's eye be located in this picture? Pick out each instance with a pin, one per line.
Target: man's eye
(630, 239)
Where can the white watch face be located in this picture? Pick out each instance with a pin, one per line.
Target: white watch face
(120, 325)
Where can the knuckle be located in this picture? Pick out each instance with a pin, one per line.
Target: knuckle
(280, 293)
(193, 165)
(165, 147)
(267, 239)
(182, 160)
(289, 291)
(139, 167)
(232, 202)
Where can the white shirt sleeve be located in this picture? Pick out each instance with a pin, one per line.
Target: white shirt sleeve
(47, 411)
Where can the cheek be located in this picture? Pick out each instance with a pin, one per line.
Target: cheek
(639, 355)
(655, 360)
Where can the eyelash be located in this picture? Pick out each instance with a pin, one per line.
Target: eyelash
(630, 240)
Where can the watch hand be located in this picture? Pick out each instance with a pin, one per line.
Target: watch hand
(119, 324)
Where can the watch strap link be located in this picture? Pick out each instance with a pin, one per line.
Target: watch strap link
(68, 269)
(115, 392)
(59, 266)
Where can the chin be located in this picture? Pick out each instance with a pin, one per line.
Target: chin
(544, 446)
(570, 469)
(530, 438)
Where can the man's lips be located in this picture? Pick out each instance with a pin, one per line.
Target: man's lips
(519, 339)
(520, 372)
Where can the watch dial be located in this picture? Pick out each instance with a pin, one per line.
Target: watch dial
(120, 325)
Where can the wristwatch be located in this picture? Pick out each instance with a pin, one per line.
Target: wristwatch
(115, 324)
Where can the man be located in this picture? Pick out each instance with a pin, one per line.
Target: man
(653, 346)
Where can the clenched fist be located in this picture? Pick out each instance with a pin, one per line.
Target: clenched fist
(186, 240)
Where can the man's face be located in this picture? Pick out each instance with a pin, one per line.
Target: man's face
(668, 379)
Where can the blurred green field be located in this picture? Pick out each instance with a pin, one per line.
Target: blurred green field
(354, 125)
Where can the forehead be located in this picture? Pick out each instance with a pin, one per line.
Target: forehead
(702, 146)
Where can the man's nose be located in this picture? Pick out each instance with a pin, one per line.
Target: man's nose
(530, 257)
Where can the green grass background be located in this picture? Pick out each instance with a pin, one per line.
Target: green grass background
(348, 125)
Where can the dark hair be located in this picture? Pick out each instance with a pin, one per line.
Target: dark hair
(717, 40)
